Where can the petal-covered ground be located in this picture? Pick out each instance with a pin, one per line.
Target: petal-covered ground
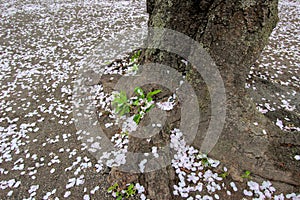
(280, 65)
(41, 47)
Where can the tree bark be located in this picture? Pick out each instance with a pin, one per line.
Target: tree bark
(234, 32)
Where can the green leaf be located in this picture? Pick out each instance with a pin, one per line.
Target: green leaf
(224, 175)
(124, 110)
(149, 99)
(123, 96)
(110, 189)
(130, 187)
(246, 174)
(148, 109)
(150, 94)
(118, 109)
(135, 67)
(137, 118)
(138, 53)
(139, 92)
(135, 56)
(119, 198)
(120, 102)
(130, 193)
(136, 102)
(205, 162)
(113, 187)
(130, 190)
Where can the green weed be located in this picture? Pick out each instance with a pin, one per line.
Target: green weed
(127, 193)
(121, 103)
(246, 175)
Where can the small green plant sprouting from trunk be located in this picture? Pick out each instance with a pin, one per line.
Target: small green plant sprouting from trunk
(133, 62)
(143, 102)
(121, 103)
(135, 56)
(246, 174)
(120, 194)
(204, 160)
(140, 104)
(224, 175)
(114, 188)
(135, 67)
(130, 191)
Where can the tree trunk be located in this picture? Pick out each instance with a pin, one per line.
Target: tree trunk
(234, 32)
